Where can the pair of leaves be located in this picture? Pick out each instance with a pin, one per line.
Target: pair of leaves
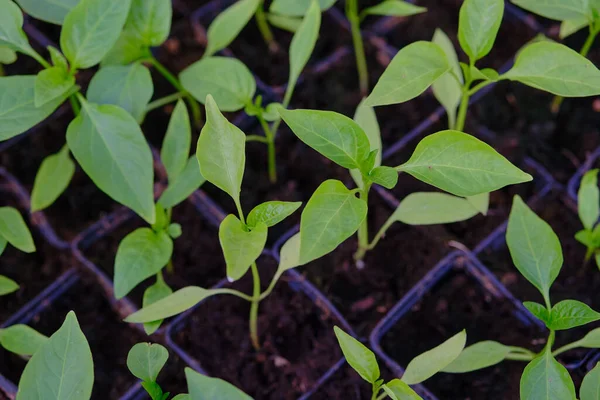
(564, 315)
(228, 25)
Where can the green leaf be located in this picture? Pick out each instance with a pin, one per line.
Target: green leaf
(22, 340)
(570, 26)
(152, 294)
(174, 230)
(560, 10)
(303, 44)
(393, 8)
(63, 367)
(178, 302)
(14, 230)
(486, 74)
(183, 396)
(111, 148)
(221, 151)
(398, 390)
(290, 24)
(569, 314)
(3, 244)
(202, 387)
(154, 390)
(11, 31)
(7, 55)
(271, 213)
(51, 84)
(589, 199)
(586, 238)
(545, 378)
(461, 164)
(431, 362)
(538, 310)
(591, 340)
(185, 184)
(145, 360)
(91, 29)
(228, 25)
(481, 202)
(360, 358)
(58, 59)
(53, 11)
(478, 356)
(415, 68)
(366, 118)
(18, 112)
(227, 79)
(479, 22)
(127, 49)
(334, 135)
(384, 176)
(590, 387)
(150, 20)
(141, 254)
(52, 179)
(289, 254)
(534, 247)
(129, 87)
(556, 69)
(446, 89)
(176, 145)
(431, 208)
(331, 216)
(241, 247)
(297, 8)
(7, 285)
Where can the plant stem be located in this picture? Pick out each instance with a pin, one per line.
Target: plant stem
(265, 30)
(462, 111)
(75, 104)
(271, 149)
(363, 230)
(382, 396)
(359, 49)
(519, 357)
(256, 138)
(163, 101)
(254, 308)
(566, 347)
(170, 267)
(40, 59)
(233, 292)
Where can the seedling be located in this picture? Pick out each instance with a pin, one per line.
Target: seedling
(543, 65)
(13, 230)
(537, 254)
(421, 368)
(221, 155)
(589, 212)
(452, 161)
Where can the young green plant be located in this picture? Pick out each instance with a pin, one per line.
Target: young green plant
(588, 205)
(537, 255)
(13, 231)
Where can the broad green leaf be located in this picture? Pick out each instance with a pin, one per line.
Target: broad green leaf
(14, 230)
(53, 11)
(394, 8)
(360, 358)
(145, 360)
(557, 69)
(571, 313)
(51, 84)
(570, 26)
(18, 112)
(431, 362)
(91, 29)
(152, 294)
(221, 151)
(461, 164)
(297, 8)
(202, 387)
(154, 390)
(415, 68)
(150, 20)
(481, 202)
(141, 254)
(178, 302)
(241, 247)
(545, 378)
(227, 79)
(538, 310)
(7, 285)
(290, 24)
(588, 199)
(63, 367)
(52, 179)
(446, 89)
(22, 340)
(479, 22)
(185, 184)
(303, 44)
(478, 356)
(590, 387)
(7, 55)
(129, 87)
(560, 10)
(591, 340)
(334, 135)
(271, 213)
(384, 176)
(11, 31)
(331, 216)
(176, 145)
(430, 208)
(398, 390)
(534, 247)
(366, 118)
(127, 49)
(227, 26)
(58, 59)
(111, 148)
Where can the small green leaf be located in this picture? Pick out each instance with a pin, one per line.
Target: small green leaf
(226, 79)
(141, 254)
(227, 26)
(591, 340)
(289, 254)
(51, 84)
(590, 387)
(431, 362)
(271, 213)
(393, 8)
(332, 215)
(384, 176)
(14, 230)
(58, 59)
(7, 55)
(126, 50)
(545, 378)
(360, 358)
(290, 24)
(53, 11)
(174, 230)
(129, 87)
(589, 199)
(150, 20)
(297, 8)
(415, 68)
(152, 294)
(3, 244)
(431, 208)
(303, 44)
(560, 10)
(586, 238)
(176, 145)
(461, 164)
(486, 74)
(52, 179)
(7, 285)
(570, 26)
(478, 356)
(479, 22)
(48, 369)
(154, 390)
(202, 387)
(366, 118)
(538, 310)
(534, 247)
(11, 31)
(446, 89)
(22, 340)
(240, 247)
(91, 29)
(398, 390)
(481, 202)
(571, 313)
(185, 184)
(145, 360)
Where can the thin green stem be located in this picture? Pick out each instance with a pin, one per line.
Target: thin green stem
(40, 59)
(254, 307)
(163, 101)
(264, 28)
(238, 206)
(257, 138)
(522, 350)
(566, 347)
(359, 48)
(519, 357)
(233, 292)
(382, 396)
(363, 230)
(75, 104)
(272, 158)
(479, 86)
(462, 111)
